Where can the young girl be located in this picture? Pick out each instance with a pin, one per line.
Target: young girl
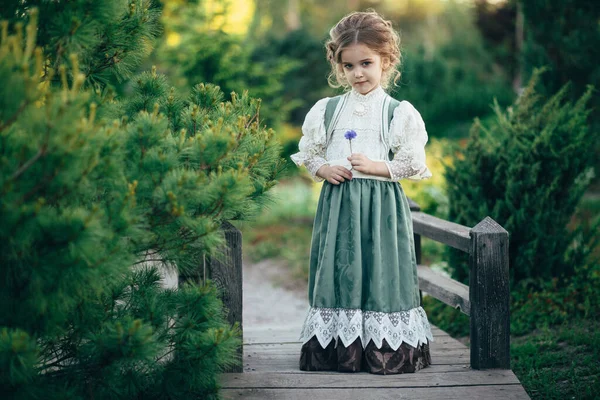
(365, 311)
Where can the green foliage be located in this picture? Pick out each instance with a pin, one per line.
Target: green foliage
(564, 37)
(556, 302)
(528, 171)
(453, 80)
(305, 82)
(207, 54)
(196, 162)
(95, 195)
(446, 318)
(110, 38)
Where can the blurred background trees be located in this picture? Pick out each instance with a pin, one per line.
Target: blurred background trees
(106, 161)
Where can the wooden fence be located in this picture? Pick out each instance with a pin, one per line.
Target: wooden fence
(485, 300)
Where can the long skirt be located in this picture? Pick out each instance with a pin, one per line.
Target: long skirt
(365, 312)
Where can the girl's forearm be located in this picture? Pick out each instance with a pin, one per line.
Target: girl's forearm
(379, 168)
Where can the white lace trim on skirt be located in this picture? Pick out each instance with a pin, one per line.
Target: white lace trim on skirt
(327, 324)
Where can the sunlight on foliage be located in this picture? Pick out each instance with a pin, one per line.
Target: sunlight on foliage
(430, 194)
(232, 17)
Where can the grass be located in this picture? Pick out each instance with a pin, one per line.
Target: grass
(560, 362)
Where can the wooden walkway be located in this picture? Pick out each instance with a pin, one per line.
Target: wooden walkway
(271, 356)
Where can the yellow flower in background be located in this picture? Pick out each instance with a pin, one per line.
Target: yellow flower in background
(237, 19)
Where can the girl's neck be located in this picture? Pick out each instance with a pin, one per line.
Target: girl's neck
(373, 93)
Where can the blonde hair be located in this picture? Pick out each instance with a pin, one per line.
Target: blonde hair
(368, 28)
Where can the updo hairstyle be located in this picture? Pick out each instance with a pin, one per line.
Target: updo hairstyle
(370, 29)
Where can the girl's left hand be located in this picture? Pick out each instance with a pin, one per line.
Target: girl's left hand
(361, 163)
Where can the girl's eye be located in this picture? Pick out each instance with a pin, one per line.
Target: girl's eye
(366, 63)
(347, 66)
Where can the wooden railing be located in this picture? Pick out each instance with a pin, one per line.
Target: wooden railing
(485, 300)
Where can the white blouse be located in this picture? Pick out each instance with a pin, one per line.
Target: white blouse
(363, 114)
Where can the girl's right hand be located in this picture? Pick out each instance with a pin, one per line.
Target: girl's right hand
(335, 175)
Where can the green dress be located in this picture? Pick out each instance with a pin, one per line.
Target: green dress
(363, 291)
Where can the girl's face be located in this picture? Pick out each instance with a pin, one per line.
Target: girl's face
(362, 67)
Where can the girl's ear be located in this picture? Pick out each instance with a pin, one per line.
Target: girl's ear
(385, 63)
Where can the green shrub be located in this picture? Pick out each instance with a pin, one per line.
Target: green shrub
(449, 75)
(92, 190)
(528, 171)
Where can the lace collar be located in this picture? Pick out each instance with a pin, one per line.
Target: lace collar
(372, 95)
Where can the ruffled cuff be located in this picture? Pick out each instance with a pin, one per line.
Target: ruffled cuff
(312, 144)
(312, 163)
(407, 165)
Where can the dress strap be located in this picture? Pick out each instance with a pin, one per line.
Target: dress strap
(387, 113)
(333, 110)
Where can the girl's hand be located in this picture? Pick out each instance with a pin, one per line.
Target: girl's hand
(335, 175)
(362, 163)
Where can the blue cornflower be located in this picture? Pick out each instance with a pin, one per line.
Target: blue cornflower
(350, 134)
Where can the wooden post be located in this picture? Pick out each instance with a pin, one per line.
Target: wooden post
(489, 296)
(417, 239)
(226, 273)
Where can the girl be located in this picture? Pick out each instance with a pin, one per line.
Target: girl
(365, 311)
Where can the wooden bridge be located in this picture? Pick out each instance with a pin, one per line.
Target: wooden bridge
(270, 355)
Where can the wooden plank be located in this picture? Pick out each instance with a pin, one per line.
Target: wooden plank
(451, 292)
(294, 348)
(288, 363)
(293, 368)
(441, 343)
(441, 357)
(365, 380)
(486, 392)
(443, 231)
(286, 334)
(431, 369)
(290, 348)
(489, 296)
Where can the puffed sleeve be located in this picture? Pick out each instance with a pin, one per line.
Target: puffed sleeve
(407, 141)
(313, 142)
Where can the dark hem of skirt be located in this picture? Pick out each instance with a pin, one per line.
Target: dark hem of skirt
(383, 361)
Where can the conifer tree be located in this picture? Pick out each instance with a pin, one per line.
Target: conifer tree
(109, 37)
(91, 186)
(528, 171)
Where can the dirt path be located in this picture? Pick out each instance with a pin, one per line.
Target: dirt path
(267, 304)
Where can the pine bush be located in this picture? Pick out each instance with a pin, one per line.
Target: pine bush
(92, 189)
(528, 170)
